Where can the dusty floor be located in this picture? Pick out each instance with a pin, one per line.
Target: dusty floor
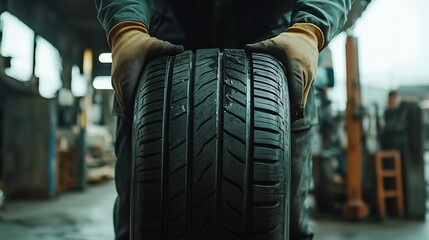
(87, 216)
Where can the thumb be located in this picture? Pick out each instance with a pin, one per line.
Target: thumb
(166, 48)
(262, 46)
(172, 49)
(268, 46)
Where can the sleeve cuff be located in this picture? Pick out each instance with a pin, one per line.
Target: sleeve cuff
(310, 30)
(122, 27)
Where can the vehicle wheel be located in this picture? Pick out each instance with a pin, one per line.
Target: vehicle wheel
(211, 157)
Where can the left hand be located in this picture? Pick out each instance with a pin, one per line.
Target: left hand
(132, 48)
(298, 49)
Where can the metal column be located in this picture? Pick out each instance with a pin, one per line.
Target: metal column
(355, 207)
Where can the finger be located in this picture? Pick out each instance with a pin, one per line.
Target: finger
(125, 77)
(117, 87)
(295, 79)
(134, 68)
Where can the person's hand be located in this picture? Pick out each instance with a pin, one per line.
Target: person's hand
(298, 49)
(132, 47)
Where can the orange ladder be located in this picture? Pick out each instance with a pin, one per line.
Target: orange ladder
(394, 172)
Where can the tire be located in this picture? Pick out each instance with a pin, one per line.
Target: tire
(211, 157)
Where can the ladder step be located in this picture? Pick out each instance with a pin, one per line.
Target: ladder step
(389, 173)
(392, 193)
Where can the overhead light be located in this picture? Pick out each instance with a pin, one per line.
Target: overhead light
(102, 82)
(105, 58)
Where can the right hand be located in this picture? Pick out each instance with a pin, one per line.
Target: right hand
(298, 49)
(132, 47)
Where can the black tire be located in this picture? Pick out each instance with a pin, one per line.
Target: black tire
(211, 158)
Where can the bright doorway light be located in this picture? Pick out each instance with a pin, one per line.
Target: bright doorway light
(17, 42)
(48, 68)
(105, 58)
(102, 82)
(79, 84)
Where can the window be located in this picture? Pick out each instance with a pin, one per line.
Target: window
(48, 68)
(18, 43)
(79, 85)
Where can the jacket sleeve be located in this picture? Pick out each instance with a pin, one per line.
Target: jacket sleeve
(112, 12)
(328, 15)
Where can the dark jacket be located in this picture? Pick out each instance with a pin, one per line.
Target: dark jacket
(223, 23)
(198, 24)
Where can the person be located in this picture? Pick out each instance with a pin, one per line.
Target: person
(292, 31)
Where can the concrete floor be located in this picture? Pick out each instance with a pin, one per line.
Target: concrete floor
(72, 216)
(388, 230)
(88, 216)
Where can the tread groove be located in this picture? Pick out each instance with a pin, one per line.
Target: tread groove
(271, 100)
(206, 83)
(235, 157)
(204, 225)
(234, 184)
(178, 116)
(177, 145)
(140, 155)
(149, 140)
(234, 137)
(267, 183)
(203, 172)
(165, 154)
(267, 130)
(180, 99)
(219, 143)
(267, 145)
(267, 204)
(231, 77)
(205, 99)
(235, 100)
(205, 144)
(150, 103)
(234, 209)
(268, 91)
(236, 89)
(175, 196)
(152, 112)
(248, 192)
(235, 115)
(204, 200)
(267, 111)
(177, 169)
(205, 121)
(190, 146)
(140, 169)
(265, 161)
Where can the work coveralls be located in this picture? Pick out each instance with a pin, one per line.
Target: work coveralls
(198, 24)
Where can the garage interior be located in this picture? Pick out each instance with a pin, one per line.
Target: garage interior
(57, 132)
